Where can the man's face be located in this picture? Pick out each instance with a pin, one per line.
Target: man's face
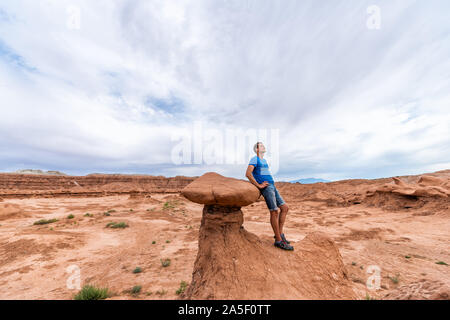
(261, 148)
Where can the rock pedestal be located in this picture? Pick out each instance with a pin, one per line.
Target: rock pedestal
(233, 263)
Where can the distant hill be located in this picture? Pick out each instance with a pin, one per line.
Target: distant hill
(309, 180)
(34, 171)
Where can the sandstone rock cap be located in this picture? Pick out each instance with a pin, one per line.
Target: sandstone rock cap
(213, 188)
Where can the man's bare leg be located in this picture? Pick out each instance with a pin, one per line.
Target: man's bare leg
(274, 221)
(283, 212)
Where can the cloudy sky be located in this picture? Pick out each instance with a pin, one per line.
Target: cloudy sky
(118, 85)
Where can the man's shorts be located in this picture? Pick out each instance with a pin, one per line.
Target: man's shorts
(272, 197)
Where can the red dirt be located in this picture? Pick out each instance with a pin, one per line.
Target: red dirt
(400, 229)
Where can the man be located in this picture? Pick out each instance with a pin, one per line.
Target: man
(258, 173)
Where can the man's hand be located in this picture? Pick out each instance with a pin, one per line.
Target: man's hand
(252, 179)
(263, 185)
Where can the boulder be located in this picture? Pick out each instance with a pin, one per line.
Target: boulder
(214, 189)
(430, 181)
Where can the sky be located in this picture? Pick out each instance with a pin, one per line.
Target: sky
(343, 89)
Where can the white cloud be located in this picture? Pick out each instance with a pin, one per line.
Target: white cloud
(349, 101)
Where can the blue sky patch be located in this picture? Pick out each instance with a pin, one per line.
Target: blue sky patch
(171, 105)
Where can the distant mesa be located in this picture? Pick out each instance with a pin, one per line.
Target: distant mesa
(308, 180)
(37, 171)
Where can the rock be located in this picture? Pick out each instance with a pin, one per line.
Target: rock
(233, 263)
(10, 210)
(420, 290)
(430, 181)
(428, 187)
(214, 189)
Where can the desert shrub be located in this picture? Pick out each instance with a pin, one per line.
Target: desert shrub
(161, 292)
(165, 262)
(169, 205)
(90, 292)
(136, 289)
(44, 221)
(116, 225)
(183, 286)
(395, 279)
(137, 270)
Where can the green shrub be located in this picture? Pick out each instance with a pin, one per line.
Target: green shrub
(165, 262)
(90, 292)
(442, 263)
(183, 286)
(369, 297)
(116, 225)
(161, 292)
(169, 205)
(136, 289)
(70, 216)
(394, 279)
(137, 270)
(44, 221)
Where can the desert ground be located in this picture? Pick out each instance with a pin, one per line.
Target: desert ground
(401, 227)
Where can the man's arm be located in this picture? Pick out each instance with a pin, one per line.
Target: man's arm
(250, 177)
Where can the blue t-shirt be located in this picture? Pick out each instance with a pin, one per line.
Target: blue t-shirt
(261, 171)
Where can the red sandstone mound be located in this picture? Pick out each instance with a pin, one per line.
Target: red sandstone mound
(421, 290)
(233, 263)
(139, 195)
(10, 210)
(426, 187)
(426, 190)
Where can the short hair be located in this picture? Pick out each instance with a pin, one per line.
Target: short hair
(256, 146)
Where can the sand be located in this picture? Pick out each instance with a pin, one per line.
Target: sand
(371, 224)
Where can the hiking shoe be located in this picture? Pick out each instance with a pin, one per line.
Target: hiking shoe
(283, 245)
(283, 238)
